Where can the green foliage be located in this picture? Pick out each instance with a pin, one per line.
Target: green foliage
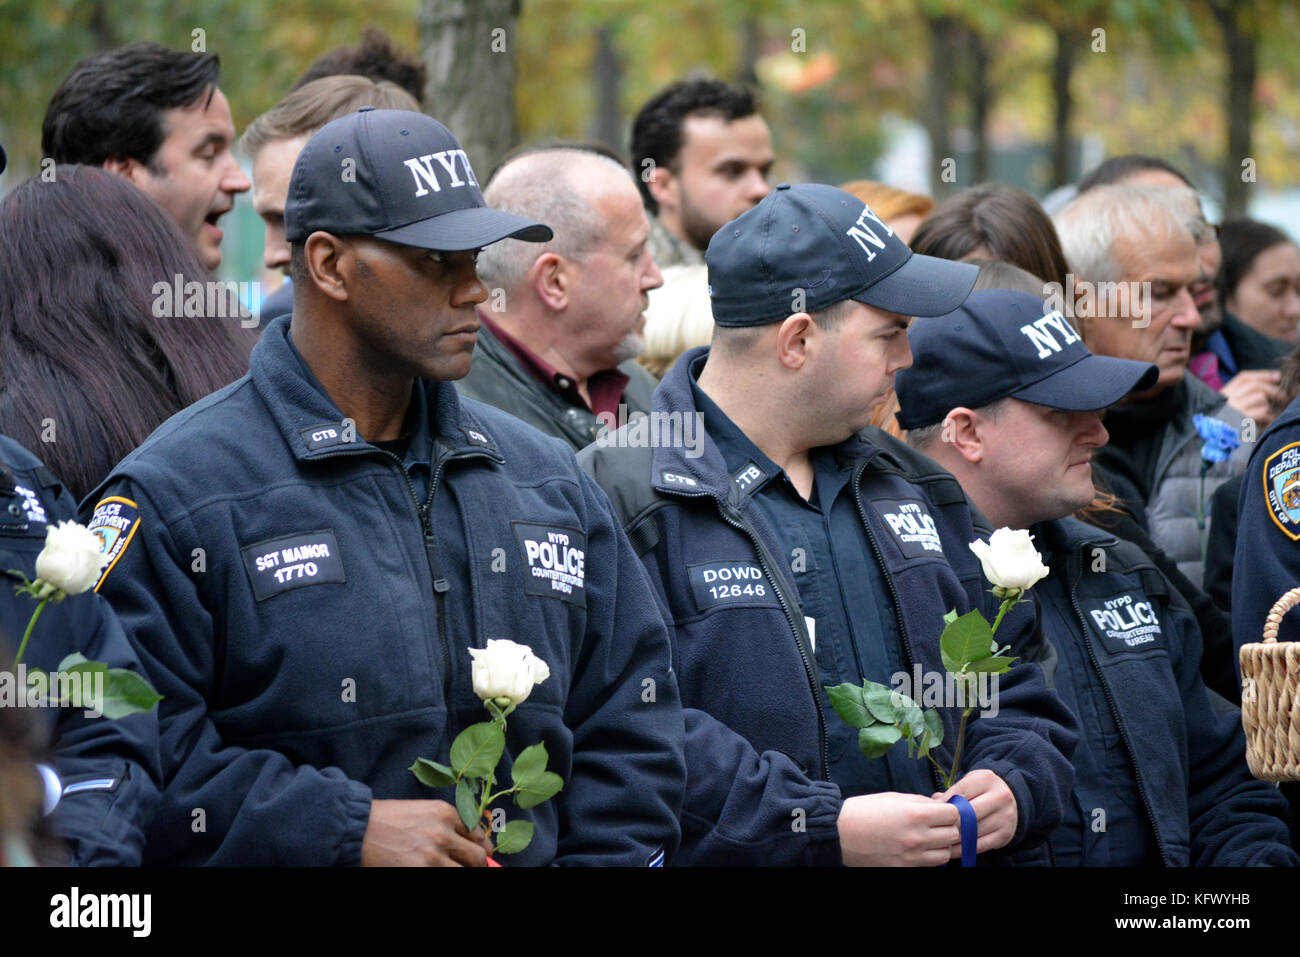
(477, 750)
(514, 837)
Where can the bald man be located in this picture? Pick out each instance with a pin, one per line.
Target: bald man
(563, 320)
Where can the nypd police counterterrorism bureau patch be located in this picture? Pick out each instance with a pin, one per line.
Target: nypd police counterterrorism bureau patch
(1125, 623)
(556, 559)
(1282, 489)
(912, 525)
(114, 523)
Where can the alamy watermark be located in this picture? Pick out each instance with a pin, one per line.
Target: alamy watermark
(943, 689)
(23, 688)
(1110, 300)
(640, 430)
(214, 299)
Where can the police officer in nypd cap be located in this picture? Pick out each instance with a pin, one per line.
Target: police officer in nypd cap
(844, 547)
(312, 550)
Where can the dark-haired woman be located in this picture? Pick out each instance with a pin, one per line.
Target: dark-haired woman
(109, 323)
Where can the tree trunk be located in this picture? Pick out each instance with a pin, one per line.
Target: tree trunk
(1240, 37)
(936, 114)
(750, 38)
(1062, 68)
(101, 27)
(980, 99)
(469, 48)
(607, 75)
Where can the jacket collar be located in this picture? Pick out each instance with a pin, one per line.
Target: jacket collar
(1068, 537)
(674, 472)
(314, 428)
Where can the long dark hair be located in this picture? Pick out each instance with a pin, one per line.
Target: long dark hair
(87, 368)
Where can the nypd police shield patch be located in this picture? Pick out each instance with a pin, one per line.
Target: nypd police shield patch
(1282, 489)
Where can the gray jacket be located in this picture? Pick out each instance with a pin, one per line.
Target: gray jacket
(1172, 509)
(497, 378)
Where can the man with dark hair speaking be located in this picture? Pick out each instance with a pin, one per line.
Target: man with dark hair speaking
(155, 117)
(850, 547)
(311, 551)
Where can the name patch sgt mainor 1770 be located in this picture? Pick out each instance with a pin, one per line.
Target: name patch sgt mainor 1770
(1282, 489)
(279, 565)
(114, 523)
(556, 559)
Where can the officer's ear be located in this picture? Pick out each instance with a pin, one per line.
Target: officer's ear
(324, 254)
(961, 430)
(796, 340)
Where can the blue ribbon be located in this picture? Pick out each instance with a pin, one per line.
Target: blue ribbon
(969, 829)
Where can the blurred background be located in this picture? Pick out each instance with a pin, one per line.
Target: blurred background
(925, 95)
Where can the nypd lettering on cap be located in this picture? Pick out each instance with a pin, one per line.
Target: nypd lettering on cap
(1050, 334)
(739, 582)
(427, 176)
(1125, 623)
(863, 232)
(114, 523)
(912, 526)
(556, 559)
(1282, 489)
(278, 565)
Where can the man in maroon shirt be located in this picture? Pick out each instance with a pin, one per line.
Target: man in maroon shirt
(563, 322)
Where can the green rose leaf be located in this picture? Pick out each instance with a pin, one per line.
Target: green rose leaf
(990, 666)
(467, 804)
(530, 764)
(477, 750)
(876, 740)
(879, 700)
(911, 722)
(541, 788)
(847, 700)
(432, 774)
(934, 729)
(79, 662)
(514, 837)
(965, 640)
(126, 693)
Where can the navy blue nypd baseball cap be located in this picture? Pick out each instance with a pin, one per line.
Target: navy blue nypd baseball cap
(1001, 343)
(806, 247)
(399, 176)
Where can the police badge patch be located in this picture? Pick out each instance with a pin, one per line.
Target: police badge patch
(1282, 489)
(114, 524)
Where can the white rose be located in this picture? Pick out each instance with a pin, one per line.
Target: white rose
(505, 670)
(1010, 560)
(71, 559)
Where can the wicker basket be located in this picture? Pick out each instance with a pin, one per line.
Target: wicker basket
(1270, 699)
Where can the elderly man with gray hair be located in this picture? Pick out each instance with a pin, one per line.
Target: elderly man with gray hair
(1132, 250)
(563, 321)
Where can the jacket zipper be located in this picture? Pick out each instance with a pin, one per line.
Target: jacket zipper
(761, 551)
(424, 512)
(893, 590)
(1110, 700)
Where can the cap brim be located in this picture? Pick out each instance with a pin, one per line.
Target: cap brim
(1094, 382)
(471, 228)
(922, 286)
